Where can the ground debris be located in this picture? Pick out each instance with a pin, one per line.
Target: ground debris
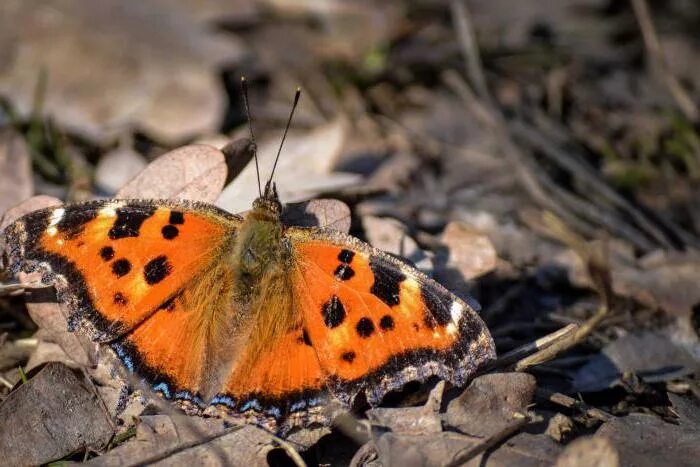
(53, 415)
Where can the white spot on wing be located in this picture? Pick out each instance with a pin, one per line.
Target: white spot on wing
(56, 216)
(110, 209)
(451, 329)
(456, 311)
(51, 231)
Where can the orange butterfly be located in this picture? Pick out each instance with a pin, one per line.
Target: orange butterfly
(244, 316)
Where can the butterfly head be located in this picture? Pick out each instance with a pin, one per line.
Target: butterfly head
(268, 205)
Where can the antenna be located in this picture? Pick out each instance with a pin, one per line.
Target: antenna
(284, 136)
(244, 88)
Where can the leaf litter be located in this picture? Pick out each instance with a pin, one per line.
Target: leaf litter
(546, 188)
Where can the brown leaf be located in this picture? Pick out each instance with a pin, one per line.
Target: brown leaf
(645, 440)
(469, 251)
(588, 450)
(651, 356)
(304, 168)
(238, 154)
(116, 168)
(196, 172)
(16, 183)
(164, 81)
(390, 235)
(489, 402)
(440, 449)
(51, 416)
(51, 318)
(158, 438)
(325, 213)
(27, 206)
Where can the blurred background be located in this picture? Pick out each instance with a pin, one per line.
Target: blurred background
(499, 145)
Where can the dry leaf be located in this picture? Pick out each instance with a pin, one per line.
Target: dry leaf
(51, 416)
(390, 235)
(647, 441)
(489, 402)
(304, 168)
(25, 207)
(159, 436)
(116, 168)
(589, 451)
(651, 356)
(109, 67)
(196, 172)
(325, 213)
(16, 183)
(51, 318)
(440, 449)
(469, 251)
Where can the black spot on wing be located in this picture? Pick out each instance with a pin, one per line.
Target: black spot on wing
(346, 256)
(437, 302)
(348, 356)
(156, 270)
(120, 299)
(121, 267)
(74, 219)
(387, 280)
(365, 327)
(344, 272)
(176, 218)
(129, 221)
(333, 312)
(386, 323)
(169, 232)
(107, 253)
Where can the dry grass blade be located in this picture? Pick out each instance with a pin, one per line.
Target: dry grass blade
(599, 273)
(658, 64)
(539, 345)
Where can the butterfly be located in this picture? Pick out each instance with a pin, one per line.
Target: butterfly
(243, 316)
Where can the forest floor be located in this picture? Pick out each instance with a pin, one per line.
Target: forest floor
(542, 157)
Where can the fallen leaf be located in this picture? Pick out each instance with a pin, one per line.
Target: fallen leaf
(390, 235)
(660, 280)
(325, 213)
(51, 318)
(118, 167)
(183, 440)
(14, 213)
(164, 82)
(651, 356)
(16, 183)
(25, 207)
(587, 451)
(52, 415)
(411, 420)
(238, 154)
(196, 172)
(688, 410)
(468, 252)
(440, 449)
(304, 168)
(487, 405)
(645, 440)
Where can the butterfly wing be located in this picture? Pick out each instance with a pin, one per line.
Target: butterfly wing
(377, 323)
(129, 272)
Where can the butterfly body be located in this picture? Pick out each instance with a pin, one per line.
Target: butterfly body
(244, 316)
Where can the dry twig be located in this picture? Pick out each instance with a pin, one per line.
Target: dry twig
(463, 456)
(658, 64)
